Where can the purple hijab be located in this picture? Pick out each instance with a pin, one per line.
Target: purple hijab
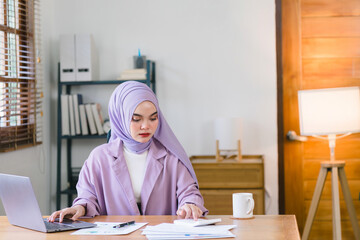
(122, 104)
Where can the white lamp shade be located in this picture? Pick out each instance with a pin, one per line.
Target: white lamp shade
(228, 131)
(329, 111)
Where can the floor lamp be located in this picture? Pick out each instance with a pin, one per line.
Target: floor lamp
(334, 113)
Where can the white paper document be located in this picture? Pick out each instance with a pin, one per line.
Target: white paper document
(107, 228)
(197, 223)
(174, 231)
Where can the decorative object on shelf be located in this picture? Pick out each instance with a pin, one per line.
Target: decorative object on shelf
(228, 138)
(139, 60)
(330, 112)
(106, 126)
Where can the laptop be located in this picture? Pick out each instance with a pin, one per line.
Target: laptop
(22, 208)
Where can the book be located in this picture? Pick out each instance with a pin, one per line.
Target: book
(77, 99)
(90, 118)
(133, 74)
(135, 71)
(83, 120)
(71, 116)
(65, 127)
(99, 120)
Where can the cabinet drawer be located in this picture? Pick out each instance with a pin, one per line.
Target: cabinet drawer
(219, 202)
(229, 175)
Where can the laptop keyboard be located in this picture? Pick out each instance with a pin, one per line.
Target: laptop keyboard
(54, 226)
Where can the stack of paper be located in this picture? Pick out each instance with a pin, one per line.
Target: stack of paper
(175, 231)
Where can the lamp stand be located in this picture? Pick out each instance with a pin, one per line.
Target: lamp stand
(220, 158)
(337, 173)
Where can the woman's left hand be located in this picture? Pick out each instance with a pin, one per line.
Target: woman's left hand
(189, 210)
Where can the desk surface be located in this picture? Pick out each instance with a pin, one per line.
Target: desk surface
(260, 227)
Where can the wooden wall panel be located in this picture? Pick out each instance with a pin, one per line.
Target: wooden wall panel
(331, 68)
(324, 212)
(309, 186)
(316, 83)
(322, 230)
(340, 27)
(315, 8)
(320, 50)
(312, 168)
(330, 47)
(319, 149)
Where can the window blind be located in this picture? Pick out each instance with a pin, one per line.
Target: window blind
(21, 80)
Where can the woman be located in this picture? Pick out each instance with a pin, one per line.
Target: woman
(142, 170)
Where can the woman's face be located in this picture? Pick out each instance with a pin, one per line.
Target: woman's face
(144, 122)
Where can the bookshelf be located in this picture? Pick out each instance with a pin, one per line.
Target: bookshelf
(66, 141)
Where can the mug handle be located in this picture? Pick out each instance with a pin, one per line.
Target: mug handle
(252, 205)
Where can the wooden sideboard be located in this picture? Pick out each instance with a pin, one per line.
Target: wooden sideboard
(219, 180)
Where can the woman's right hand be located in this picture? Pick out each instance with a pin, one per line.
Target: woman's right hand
(75, 212)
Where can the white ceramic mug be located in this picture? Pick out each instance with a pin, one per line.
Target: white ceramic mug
(243, 205)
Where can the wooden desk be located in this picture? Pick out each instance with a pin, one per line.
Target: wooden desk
(261, 227)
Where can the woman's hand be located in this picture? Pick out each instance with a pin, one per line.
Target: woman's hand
(189, 210)
(76, 212)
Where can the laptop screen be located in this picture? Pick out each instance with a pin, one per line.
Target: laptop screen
(20, 203)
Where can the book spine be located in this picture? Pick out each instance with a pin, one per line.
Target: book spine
(95, 107)
(71, 115)
(83, 119)
(90, 118)
(77, 99)
(65, 128)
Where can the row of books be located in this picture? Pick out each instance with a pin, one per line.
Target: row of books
(78, 118)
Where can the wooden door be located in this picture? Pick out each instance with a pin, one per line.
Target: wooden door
(319, 47)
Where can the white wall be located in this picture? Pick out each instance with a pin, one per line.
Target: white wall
(214, 59)
(34, 163)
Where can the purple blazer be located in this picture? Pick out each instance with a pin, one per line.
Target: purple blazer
(104, 186)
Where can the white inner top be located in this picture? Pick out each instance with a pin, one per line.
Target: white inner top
(136, 164)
